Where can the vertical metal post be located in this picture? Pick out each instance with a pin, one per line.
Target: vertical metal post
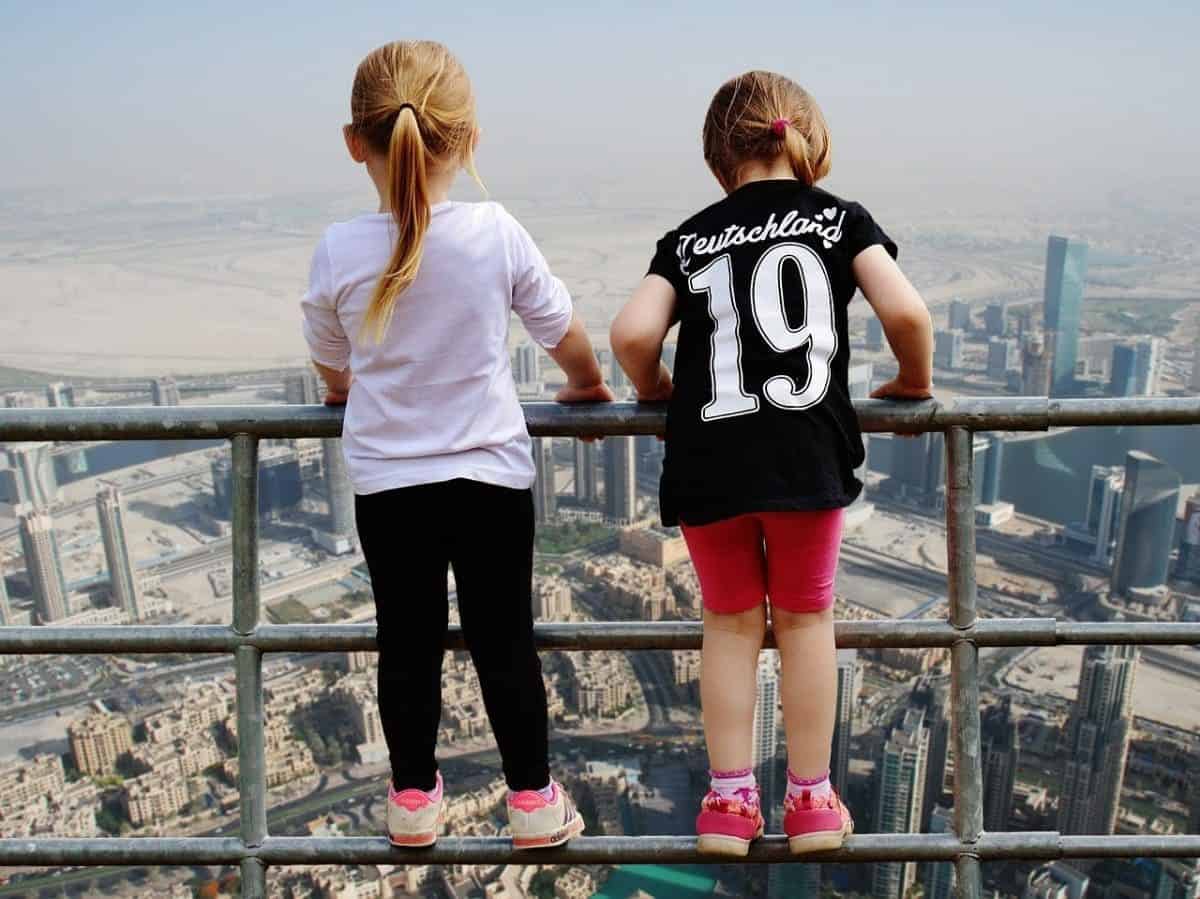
(964, 659)
(252, 783)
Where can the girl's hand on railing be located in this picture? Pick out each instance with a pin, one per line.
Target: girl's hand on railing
(336, 397)
(597, 393)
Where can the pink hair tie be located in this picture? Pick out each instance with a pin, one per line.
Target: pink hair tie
(779, 127)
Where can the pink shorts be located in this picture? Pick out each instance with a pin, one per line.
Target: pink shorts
(790, 557)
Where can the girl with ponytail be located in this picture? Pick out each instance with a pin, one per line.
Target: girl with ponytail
(763, 444)
(406, 317)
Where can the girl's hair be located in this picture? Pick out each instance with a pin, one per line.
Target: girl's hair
(757, 116)
(412, 101)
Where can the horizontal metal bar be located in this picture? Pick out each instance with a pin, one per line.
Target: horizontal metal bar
(606, 419)
(618, 635)
(122, 851)
(583, 850)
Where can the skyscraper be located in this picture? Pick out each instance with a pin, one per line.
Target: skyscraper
(1000, 755)
(616, 374)
(164, 391)
(1097, 741)
(849, 686)
(1002, 355)
(545, 499)
(5, 606)
(1135, 368)
(993, 463)
(527, 367)
(126, 586)
(917, 464)
(1188, 568)
(60, 395)
(1148, 506)
(859, 381)
(37, 482)
(18, 400)
(1066, 268)
(931, 699)
(766, 733)
(1036, 365)
(1104, 509)
(338, 490)
(43, 564)
(948, 350)
(938, 877)
(585, 472)
(874, 334)
(901, 774)
(1194, 383)
(301, 388)
(995, 319)
(958, 317)
(620, 479)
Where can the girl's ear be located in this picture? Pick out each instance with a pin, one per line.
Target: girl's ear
(355, 145)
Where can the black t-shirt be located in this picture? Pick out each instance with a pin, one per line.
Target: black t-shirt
(761, 418)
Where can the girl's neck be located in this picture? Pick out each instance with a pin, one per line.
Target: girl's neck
(438, 184)
(760, 170)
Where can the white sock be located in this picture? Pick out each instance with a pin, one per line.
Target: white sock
(817, 787)
(727, 783)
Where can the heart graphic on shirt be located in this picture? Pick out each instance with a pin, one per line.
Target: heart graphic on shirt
(830, 212)
(827, 244)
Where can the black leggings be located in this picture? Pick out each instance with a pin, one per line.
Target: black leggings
(410, 536)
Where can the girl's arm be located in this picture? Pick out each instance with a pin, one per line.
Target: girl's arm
(637, 336)
(574, 355)
(337, 383)
(905, 322)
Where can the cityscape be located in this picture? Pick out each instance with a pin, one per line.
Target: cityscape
(1087, 525)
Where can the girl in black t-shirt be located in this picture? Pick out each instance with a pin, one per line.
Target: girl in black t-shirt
(762, 439)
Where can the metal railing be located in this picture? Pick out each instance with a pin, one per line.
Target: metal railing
(964, 632)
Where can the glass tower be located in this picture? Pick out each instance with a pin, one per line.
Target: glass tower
(1066, 267)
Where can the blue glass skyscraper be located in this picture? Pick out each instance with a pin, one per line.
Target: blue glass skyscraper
(1066, 266)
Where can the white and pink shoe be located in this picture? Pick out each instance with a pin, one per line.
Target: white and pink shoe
(537, 822)
(414, 817)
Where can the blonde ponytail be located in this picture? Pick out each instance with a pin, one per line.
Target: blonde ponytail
(412, 101)
(408, 195)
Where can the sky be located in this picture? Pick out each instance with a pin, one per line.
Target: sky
(946, 103)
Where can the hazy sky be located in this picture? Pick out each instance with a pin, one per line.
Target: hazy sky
(928, 101)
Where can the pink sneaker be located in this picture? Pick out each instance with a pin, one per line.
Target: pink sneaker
(414, 819)
(728, 826)
(814, 825)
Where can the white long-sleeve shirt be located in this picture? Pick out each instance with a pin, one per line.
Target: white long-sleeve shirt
(435, 399)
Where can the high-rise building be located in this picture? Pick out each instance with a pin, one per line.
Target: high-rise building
(551, 600)
(338, 489)
(958, 317)
(98, 740)
(126, 586)
(1002, 356)
(36, 480)
(859, 381)
(301, 388)
(620, 479)
(989, 476)
(1036, 367)
(1188, 568)
(948, 350)
(766, 733)
(918, 463)
(280, 487)
(545, 499)
(932, 699)
(995, 319)
(1104, 509)
(60, 395)
(1000, 754)
(1194, 383)
(43, 564)
(5, 605)
(616, 375)
(1147, 529)
(849, 687)
(901, 775)
(164, 391)
(585, 472)
(527, 368)
(1097, 741)
(938, 877)
(1135, 368)
(874, 334)
(1066, 268)
(18, 400)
